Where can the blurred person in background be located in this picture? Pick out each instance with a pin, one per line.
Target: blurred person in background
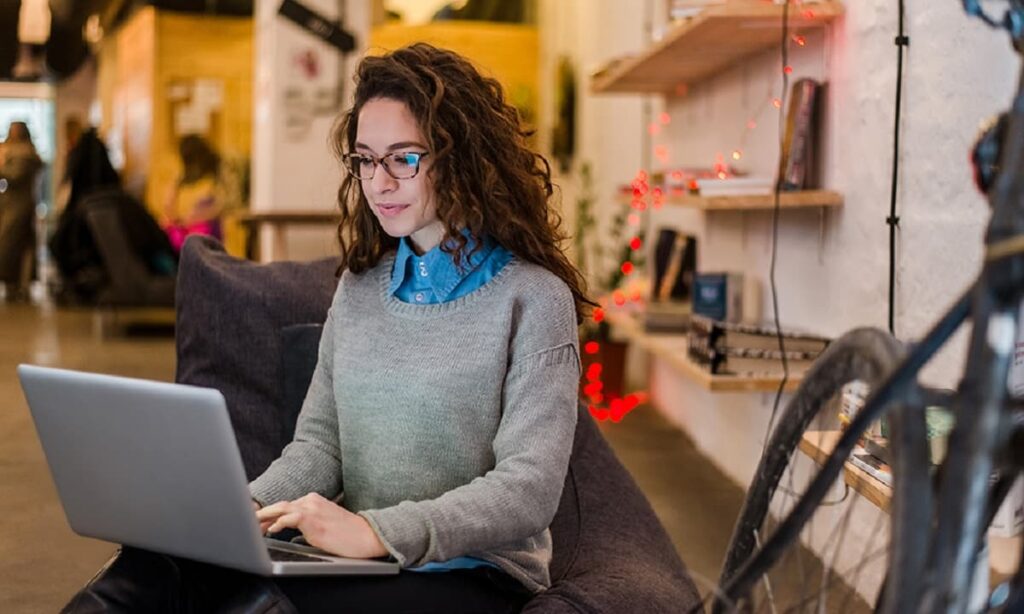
(194, 203)
(73, 130)
(91, 178)
(19, 167)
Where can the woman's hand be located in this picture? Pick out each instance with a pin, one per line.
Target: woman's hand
(325, 525)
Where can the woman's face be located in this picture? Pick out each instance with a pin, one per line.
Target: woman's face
(404, 207)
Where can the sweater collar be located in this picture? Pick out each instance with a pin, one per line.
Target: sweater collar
(442, 273)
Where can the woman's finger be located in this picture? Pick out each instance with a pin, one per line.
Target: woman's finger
(287, 521)
(273, 511)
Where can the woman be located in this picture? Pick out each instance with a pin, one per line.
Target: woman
(439, 421)
(193, 205)
(445, 396)
(19, 167)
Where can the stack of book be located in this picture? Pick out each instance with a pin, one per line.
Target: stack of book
(667, 317)
(749, 349)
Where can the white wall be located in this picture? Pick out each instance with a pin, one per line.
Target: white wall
(292, 164)
(832, 267)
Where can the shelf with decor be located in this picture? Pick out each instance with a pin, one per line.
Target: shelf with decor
(707, 43)
(819, 444)
(1004, 552)
(672, 348)
(755, 202)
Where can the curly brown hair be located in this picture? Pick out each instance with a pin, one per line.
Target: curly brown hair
(485, 176)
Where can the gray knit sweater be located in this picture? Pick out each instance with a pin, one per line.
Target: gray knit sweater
(447, 426)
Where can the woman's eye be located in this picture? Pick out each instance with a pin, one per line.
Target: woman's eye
(365, 162)
(408, 159)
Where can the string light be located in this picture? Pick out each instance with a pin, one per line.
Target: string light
(657, 198)
(661, 153)
(642, 194)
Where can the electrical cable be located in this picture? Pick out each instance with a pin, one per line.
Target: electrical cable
(902, 42)
(776, 209)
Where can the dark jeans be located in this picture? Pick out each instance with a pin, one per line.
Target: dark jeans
(143, 581)
(482, 589)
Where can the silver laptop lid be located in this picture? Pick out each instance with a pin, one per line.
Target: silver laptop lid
(146, 464)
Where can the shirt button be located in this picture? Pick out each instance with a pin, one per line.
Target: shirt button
(419, 297)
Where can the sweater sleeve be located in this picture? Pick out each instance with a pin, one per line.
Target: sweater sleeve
(518, 498)
(312, 461)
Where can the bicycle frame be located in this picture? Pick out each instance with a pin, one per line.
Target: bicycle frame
(980, 403)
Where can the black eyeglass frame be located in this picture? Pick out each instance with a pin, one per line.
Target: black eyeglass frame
(381, 162)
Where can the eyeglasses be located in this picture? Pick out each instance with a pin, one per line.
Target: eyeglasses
(400, 165)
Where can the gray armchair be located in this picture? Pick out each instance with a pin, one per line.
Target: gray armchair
(252, 331)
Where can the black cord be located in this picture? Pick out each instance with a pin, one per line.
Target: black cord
(902, 41)
(775, 224)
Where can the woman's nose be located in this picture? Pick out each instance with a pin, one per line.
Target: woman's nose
(382, 182)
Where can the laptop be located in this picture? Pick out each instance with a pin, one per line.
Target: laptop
(156, 466)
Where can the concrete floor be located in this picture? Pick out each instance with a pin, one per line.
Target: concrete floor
(42, 563)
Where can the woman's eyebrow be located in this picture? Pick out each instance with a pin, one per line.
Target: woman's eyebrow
(393, 146)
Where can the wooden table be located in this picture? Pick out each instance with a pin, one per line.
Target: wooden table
(276, 221)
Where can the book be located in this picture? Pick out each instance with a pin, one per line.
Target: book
(718, 296)
(873, 467)
(796, 165)
(675, 261)
(735, 186)
(721, 335)
(741, 361)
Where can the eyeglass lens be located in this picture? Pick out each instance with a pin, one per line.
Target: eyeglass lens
(399, 165)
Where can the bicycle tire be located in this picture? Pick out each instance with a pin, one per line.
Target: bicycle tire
(868, 354)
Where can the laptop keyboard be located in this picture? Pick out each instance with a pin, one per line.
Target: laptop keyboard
(288, 556)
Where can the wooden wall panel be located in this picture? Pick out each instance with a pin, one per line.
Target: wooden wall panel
(509, 53)
(141, 65)
(132, 105)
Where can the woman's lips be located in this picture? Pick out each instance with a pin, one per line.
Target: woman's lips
(391, 209)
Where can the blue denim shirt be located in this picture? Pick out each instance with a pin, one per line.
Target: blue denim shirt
(434, 278)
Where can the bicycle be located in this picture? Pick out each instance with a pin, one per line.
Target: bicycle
(938, 518)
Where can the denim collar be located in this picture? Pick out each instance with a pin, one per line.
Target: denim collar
(442, 273)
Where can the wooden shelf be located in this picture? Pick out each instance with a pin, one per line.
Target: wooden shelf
(819, 444)
(703, 45)
(1004, 552)
(759, 202)
(672, 348)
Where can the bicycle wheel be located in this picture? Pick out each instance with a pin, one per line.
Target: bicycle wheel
(863, 354)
